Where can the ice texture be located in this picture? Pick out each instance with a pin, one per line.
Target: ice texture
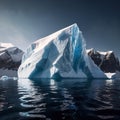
(59, 55)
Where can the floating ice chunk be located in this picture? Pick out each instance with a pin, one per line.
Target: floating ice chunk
(4, 77)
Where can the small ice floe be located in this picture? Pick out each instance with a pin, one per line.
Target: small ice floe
(4, 77)
(14, 78)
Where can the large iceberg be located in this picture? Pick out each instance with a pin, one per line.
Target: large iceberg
(59, 55)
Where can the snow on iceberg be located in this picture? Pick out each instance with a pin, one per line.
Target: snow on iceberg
(61, 54)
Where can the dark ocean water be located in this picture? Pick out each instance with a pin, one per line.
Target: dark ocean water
(65, 99)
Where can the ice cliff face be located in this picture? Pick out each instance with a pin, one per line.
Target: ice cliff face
(61, 54)
(10, 59)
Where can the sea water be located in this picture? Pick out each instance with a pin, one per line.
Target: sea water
(63, 99)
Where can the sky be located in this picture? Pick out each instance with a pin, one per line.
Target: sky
(24, 21)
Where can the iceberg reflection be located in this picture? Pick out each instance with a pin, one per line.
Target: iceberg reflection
(45, 98)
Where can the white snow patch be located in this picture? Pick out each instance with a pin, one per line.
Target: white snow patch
(6, 45)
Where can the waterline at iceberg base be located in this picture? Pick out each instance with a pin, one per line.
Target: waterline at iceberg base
(59, 55)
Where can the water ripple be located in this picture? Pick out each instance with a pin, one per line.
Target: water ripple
(69, 99)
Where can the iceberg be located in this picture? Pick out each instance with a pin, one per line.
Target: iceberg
(59, 55)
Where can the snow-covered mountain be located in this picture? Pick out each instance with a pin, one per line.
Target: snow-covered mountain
(107, 61)
(10, 59)
(61, 54)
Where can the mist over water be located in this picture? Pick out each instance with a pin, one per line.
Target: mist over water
(64, 99)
